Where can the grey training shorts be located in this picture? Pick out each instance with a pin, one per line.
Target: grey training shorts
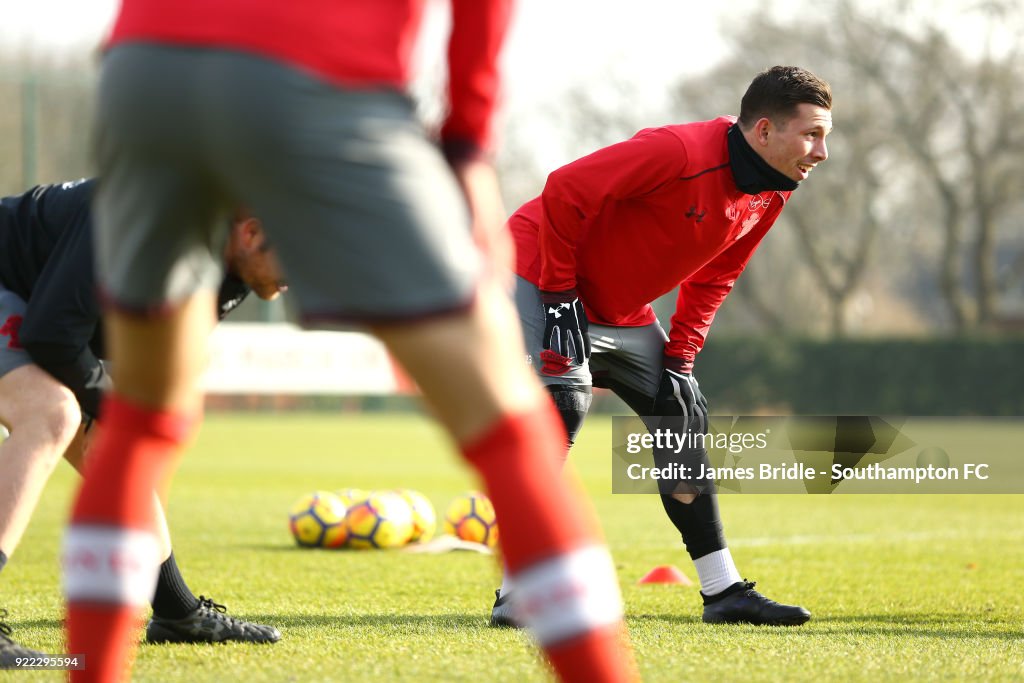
(364, 212)
(12, 311)
(627, 360)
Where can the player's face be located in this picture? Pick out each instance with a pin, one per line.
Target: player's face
(261, 271)
(249, 258)
(798, 145)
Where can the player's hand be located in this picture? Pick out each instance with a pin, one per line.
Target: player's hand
(566, 341)
(679, 394)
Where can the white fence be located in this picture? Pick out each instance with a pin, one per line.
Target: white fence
(279, 358)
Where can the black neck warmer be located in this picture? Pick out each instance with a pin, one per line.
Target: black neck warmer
(753, 175)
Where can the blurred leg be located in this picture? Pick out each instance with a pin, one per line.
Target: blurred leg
(111, 556)
(472, 368)
(173, 597)
(76, 454)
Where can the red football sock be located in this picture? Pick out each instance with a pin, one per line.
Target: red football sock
(520, 459)
(110, 552)
(577, 658)
(565, 584)
(106, 634)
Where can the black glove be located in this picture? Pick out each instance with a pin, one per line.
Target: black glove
(679, 394)
(565, 328)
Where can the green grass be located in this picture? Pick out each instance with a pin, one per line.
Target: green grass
(901, 587)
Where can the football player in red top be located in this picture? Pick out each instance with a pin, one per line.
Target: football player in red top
(677, 207)
(298, 111)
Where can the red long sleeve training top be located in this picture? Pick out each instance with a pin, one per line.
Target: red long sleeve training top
(632, 221)
(353, 43)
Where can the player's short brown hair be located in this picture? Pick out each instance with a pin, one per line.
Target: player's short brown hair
(776, 92)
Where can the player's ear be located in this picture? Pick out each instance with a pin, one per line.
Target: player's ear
(256, 235)
(762, 130)
(250, 232)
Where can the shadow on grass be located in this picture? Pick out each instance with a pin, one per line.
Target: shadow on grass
(35, 623)
(958, 626)
(411, 622)
(459, 622)
(430, 625)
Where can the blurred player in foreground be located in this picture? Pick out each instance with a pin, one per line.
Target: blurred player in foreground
(52, 379)
(297, 111)
(680, 206)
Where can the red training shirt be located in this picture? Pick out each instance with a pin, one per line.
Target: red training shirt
(354, 43)
(630, 222)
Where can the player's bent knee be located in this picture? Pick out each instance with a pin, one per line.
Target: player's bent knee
(60, 423)
(50, 414)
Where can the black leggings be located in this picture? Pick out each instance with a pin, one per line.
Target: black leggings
(699, 522)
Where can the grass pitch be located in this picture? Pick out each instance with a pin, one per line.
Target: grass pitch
(901, 587)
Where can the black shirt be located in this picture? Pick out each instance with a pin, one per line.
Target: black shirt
(46, 258)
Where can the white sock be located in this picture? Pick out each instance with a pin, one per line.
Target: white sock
(716, 572)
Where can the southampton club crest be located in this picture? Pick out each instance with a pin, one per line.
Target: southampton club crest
(756, 206)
